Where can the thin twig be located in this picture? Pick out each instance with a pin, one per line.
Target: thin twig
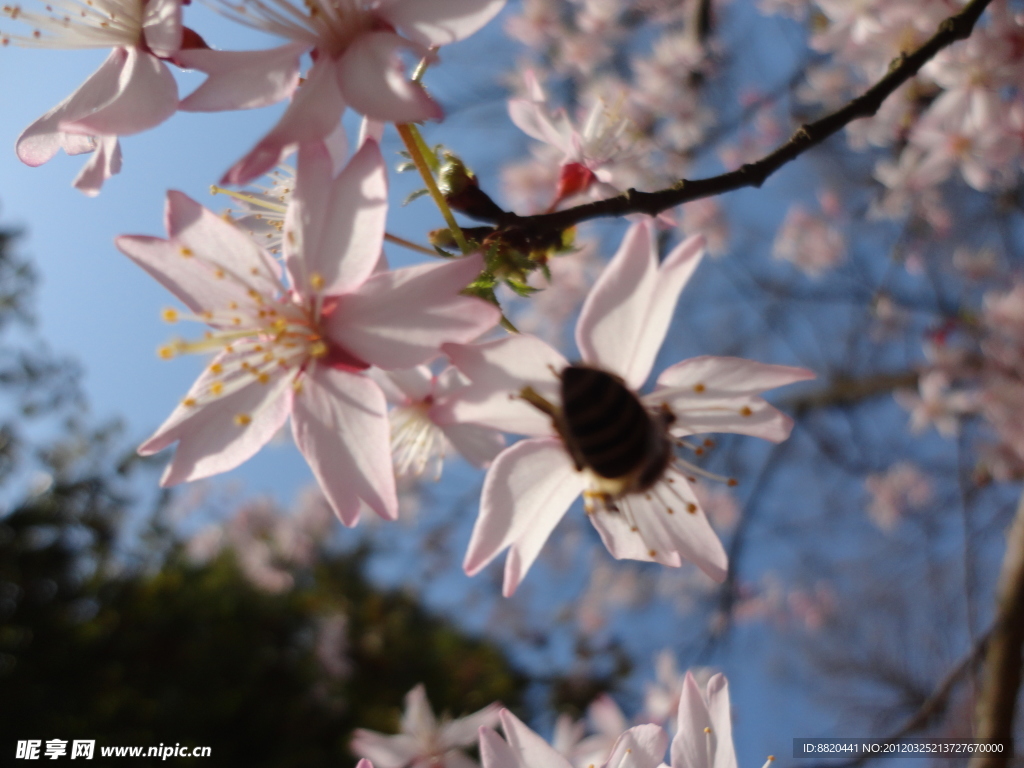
(957, 27)
(932, 706)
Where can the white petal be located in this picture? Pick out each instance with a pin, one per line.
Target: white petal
(498, 371)
(528, 489)
(400, 319)
(628, 311)
(439, 22)
(340, 425)
(221, 433)
(418, 718)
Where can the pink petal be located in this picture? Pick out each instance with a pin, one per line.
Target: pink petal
(400, 319)
(313, 114)
(730, 376)
(477, 445)
(41, 140)
(372, 79)
(306, 215)
(532, 119)
(496, 753)
(498, 371)
(104, 163)
(146, 95)
(741, 416)
(528, 489)
(340, 424)
(210, 437)
(161, 25)
(721, 722)
(665, 526)
(628, 311)
(642, 746)
(690, 747)
(531, 749)
(461, 732)
(439, 22)
(418, 717)
(241, 79)
(395, 751)
(413, 384)
(352, 234)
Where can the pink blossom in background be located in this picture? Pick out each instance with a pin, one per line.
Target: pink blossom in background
(424, 741)
(704, 728)
(132, 91)
(301, 348)
(810, 242)
(900, 489)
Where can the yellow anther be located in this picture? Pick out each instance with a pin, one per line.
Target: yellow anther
(232, 305)
(691, 508)
(169, 315)
(707, 729)
(268, 357)
(216, 388)
(263, 378)
(242, 419)
(652, 553)
(316, 281)
(280, 325)
(186, 252)
(698, 388)
(206, 315)
(745, 411)
(230, 349)
(317, 349)
(236, 320)
(216, 369)
(254, 271)
(297, 386)
(670, 510)
(219, 274)
(189, 402)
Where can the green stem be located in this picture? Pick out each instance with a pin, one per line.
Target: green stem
(409, 244)
(410, 135)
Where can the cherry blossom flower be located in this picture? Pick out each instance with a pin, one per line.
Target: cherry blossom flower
(531, 485)
(301, 349)
(423, 741)
(587, 152)
(356, 47)
(901, 488)
(642, 746)
(132, 91)
(420, 435)
(810, 242)
(936, 404)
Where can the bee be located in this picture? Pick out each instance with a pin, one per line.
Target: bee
(608, 432)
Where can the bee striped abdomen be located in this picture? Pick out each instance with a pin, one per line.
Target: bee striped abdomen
(607, 429)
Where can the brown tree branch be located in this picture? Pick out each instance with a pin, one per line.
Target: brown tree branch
(931, 707)
(997, 702)
(957, 27)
